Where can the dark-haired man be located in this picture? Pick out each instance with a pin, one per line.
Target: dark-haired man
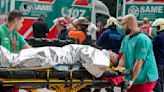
(10, 38)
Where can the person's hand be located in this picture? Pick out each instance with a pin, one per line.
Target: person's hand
(113, 57)
(130, 84)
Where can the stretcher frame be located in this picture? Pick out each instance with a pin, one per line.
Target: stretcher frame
(62, 85)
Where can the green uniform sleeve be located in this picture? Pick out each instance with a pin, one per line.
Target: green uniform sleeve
(142, 46)
(21, 40)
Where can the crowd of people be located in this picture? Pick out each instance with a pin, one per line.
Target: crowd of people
(137, 46)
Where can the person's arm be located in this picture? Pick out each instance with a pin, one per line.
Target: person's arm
(23, 42)
(143, 45)
(137, 68)
(121, 61)
(136, 71)
(26, 46)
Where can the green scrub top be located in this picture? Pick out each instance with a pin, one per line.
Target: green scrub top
(139, 46)
(6, 42)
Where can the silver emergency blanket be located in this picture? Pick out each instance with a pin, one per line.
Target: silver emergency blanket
(95, 61)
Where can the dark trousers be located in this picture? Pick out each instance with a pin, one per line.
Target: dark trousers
(160, 83)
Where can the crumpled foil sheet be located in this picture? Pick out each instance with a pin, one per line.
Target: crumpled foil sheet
(95, 61)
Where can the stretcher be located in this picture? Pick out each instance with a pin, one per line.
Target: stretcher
(71, 80)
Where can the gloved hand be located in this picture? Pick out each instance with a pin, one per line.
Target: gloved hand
(130, 84)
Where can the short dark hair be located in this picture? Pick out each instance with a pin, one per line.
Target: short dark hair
(14, 14)
(41, 17)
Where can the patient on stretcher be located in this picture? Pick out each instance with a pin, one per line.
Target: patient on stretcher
(59, 60)
(95, 61)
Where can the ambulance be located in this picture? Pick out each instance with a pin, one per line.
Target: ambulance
(152, 9)
(52, 9)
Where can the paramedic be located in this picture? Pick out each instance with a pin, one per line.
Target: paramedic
(10, 38)
(138, 56)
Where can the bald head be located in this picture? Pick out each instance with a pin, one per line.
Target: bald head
(131, 18)
(129, 24)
